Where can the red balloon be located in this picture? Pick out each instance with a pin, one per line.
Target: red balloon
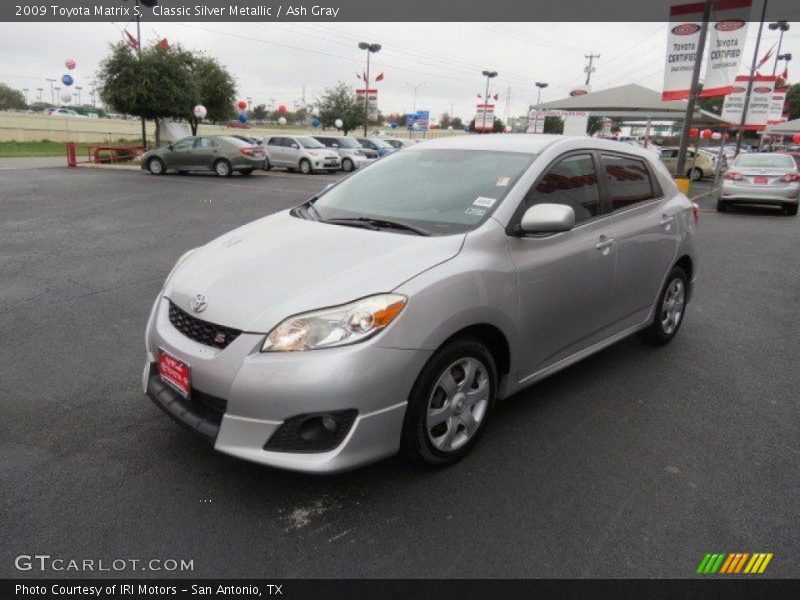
(707, 133)
(796, 138)
(693, 132)
(282, 108)
(242, 105)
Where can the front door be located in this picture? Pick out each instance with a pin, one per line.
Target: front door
(181, 155)
(566, 280)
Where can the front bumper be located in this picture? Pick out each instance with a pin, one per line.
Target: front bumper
(755, 194)
(258, 392)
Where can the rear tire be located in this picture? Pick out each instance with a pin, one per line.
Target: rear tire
(450, 403)
(790, 210)
(156, 166)
(670, 310)
(246, 172)
(695, 174)
(223, 168)
(268, 166)
(305, 167)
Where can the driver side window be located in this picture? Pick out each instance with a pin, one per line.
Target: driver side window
(184, 144)
(571, 181)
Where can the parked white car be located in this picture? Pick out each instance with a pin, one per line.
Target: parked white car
(64, 112)
(301, 152)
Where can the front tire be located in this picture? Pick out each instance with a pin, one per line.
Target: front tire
(450, 403)
(347, 165)
(305, 167)
(223, 168)
(268, 166)
(695, 174)
(669, 311)
(156, 166)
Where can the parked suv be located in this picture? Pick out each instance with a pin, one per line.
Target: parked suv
(351, 153)
(300, 152)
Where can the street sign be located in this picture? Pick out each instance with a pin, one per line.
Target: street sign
(418, 121)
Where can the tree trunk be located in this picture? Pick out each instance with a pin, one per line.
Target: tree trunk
(194, 123)
(158, 132)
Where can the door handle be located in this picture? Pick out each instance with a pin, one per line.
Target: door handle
(605, 244)
(666, 221)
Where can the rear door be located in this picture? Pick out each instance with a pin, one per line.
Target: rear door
(646, 232)
(275, 151)
(291, 149)
(566, 280)
(669, 156)
(205, 152)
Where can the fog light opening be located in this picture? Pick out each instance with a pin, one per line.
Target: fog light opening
(317, 429)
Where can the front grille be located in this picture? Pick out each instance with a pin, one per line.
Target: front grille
(201, 331)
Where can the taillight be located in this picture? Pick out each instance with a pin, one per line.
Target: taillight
(734, 176)
(791, 177)
(696, 213)
(250, 151)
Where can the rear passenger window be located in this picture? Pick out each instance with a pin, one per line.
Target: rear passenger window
(627, 179)
(571, 181)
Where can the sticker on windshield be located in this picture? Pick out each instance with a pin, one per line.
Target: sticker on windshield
(483, 201)
(476, 212)
(503, 181)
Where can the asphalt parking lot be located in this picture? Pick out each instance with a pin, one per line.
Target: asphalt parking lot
(633, 463)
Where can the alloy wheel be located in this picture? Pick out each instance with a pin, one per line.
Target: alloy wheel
(672, 306)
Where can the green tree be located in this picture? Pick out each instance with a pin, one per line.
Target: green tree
(793, 101)
(260, 113)
(594, 125)
(457, 123)
(340, 102)
(553, 125)
(445, 121)
(213, 87)
(11, 98)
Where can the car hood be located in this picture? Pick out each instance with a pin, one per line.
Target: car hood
(256, 276)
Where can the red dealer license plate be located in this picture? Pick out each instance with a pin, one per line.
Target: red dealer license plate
(761, 180)
(174, 373)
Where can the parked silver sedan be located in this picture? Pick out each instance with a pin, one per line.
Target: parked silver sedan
(389, 313)
(762, 178)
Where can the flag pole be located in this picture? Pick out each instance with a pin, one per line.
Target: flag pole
(750, 81)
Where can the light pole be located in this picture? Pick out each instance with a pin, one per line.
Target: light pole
(415, 87)
(787, 57)
(541, 85)
(489, 75)
(370, 48)
(783, 27)
(40, 90)
(78, 89)
(52, 91)
(26, 95)
(57, 90)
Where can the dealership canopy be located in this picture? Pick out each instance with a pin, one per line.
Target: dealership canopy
(785, 128)
(630, 101)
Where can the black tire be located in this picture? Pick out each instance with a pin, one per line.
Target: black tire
(291, 169)
(657, 334)
(268, 166)
(347, 165)
(695, 174)
(722, 206)
(246, 172)
(790, 210)
(183, 172)
(223, 168)
(305, 167)
(156, 166)
(416, 444)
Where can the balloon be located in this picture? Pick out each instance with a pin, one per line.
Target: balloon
(393, 125)
(338, 123)
(70, 64)
(315, 123)
(796, 138)
(200, 111)
(706, 134)
(716, 135)
(315, 111)
(242, 105)
(281, 108)
(507, 129)
(66, 96)
(67, 80)
(466, 128)
(282, 121)
(449, 128)
(243, 118)
(693, 132)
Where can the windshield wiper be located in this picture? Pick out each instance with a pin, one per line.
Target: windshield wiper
(376, 224)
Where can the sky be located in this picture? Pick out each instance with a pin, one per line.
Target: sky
(443, 60)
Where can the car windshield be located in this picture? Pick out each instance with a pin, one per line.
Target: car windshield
(309, 142)
(346, 142)
(441, 191)
(764, 161)
(381, 144)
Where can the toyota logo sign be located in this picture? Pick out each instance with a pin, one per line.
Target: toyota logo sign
(686, 29)
(729, 25)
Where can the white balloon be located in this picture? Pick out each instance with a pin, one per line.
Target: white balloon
(338, 123)
(315, 111)
(449, 128)
(66, 96)
(282, 121)
(716, 135)
(200, 111)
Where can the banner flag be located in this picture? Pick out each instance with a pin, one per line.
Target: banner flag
(726, 40)
(776, 106)
(682, 43)
(758, 109)
(484, 114)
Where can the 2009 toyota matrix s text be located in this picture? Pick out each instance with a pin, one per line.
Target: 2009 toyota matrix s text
(390, 312)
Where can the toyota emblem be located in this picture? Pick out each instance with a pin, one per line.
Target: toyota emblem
(199, 303)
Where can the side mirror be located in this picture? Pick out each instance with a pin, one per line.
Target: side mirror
(547, 218)
(329, 186)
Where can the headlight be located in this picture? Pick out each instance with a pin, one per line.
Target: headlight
(180, 261)
(335, 326)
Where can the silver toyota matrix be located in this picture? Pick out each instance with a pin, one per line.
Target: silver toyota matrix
(390, 312)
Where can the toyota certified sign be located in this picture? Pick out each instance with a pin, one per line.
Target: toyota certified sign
(686, 29)
(762, 90)
(729, 25)
(738, 90)
(578, 93)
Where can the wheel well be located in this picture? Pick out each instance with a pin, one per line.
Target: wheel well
(685, 263)
(495, 341)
